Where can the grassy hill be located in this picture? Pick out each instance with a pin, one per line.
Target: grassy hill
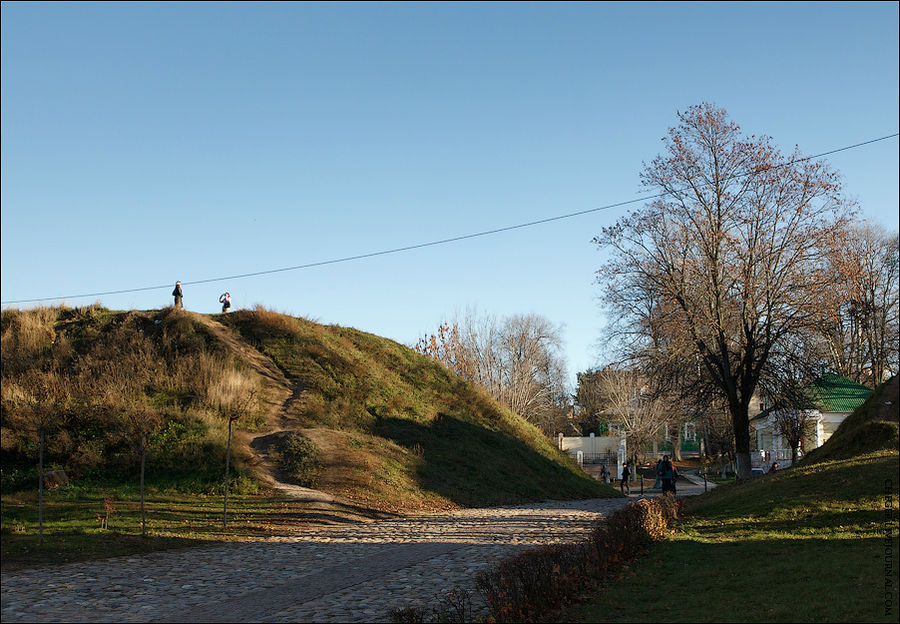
(871, 427)
(814, 543)
(366, 419)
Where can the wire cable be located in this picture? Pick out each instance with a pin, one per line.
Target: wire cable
(434, 243)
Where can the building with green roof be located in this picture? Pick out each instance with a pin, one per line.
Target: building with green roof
(834, 398)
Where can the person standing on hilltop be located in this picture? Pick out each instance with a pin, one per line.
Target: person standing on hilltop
(178, 294)
(225, 300)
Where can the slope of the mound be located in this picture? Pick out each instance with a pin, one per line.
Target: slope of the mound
(340, 414)
(397, 430)
(873, 426)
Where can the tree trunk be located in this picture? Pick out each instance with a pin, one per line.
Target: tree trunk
(741, 421)
(742, 464)
(676, 443)
(227, 466)
(41, 492)
(143, 516)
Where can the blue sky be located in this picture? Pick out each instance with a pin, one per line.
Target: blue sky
(144, 143)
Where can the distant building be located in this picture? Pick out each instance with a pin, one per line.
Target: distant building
(835, 398)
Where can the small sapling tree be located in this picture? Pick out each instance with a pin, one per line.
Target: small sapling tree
(135, 418)
(237, 407)
(138, 422)
(233, 395)
(37, 401)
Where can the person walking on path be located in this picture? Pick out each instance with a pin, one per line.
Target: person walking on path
(623, 483)
(225, 300)
(666, 473)
(178, 294)
(604, 473)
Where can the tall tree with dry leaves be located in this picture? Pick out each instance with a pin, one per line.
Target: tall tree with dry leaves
(728, 259)
(862, 331)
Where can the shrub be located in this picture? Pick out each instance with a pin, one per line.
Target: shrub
(626, 532)
(456, 606)
(525, 587)
(537, 580)
(299, 459)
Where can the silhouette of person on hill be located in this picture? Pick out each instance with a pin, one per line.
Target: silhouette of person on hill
(225, 300)
(604, 473)
(178, 294)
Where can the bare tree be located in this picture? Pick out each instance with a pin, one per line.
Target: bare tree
(138, 422)
(863, 326)
(793, 424)
(628, 400)
(717, 430)
(123, 391)
(728, 260)
(792, 404)
(237, 404)
(516, 359)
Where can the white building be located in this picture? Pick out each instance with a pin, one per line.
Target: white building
(835, 398)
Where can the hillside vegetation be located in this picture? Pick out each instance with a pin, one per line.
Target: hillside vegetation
(871, 427)
(348, 413)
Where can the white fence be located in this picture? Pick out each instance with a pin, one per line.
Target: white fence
(765, 458)
(607, 450)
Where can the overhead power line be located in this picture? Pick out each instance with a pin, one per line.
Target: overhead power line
(434, 243)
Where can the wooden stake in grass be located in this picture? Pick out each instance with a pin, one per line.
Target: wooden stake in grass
(236, 408)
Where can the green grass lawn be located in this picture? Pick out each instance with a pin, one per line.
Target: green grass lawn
(807, 544)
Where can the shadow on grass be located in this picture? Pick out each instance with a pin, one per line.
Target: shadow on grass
(801, 525)
(72, 531)
(472, 465)
(66, 546)
(773, 580)
(799, 492)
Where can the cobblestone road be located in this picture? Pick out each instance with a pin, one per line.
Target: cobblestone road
(350, 573)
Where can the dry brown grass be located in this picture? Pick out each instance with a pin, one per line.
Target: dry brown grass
(104, 363)
(26, 336)
(273, 319)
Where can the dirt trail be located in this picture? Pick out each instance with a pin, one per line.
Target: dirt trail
(280, 395)
(260, 363)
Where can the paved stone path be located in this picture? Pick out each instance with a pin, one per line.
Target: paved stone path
(350, 573)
